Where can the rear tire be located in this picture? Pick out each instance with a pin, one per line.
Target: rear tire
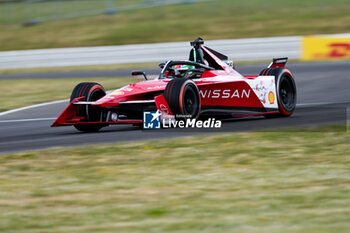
(182, 96)
(90, 92)
(285, 90)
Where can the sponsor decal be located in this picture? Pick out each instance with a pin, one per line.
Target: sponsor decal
(264, 87)
(156, 87)
(261, 91)
(107, 97)
(318, 48)
(271, 97)
(118, 93)
(126, 89)
(260, 87)
(151, 120)
(224, 94)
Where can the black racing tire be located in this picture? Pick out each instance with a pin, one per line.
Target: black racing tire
(285, 89)
(182, 96)
(91, 92)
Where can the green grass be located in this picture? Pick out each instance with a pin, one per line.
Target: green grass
(19, 12)
(19, 93)
(218, 19)
(247, 182)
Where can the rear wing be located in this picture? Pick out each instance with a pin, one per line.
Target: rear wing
(278, 62)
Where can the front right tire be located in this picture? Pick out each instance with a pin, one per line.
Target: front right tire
(182, 96)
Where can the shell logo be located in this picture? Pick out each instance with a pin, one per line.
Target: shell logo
(271, 97)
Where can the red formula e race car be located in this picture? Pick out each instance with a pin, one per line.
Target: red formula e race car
(206, 85)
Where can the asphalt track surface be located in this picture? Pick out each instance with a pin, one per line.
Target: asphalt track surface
(323, 99)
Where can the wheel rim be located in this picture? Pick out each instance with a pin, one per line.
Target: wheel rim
(191, 102)
(287, 93)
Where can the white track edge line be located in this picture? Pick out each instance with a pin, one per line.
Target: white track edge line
(36, 106)
(26, 120)
(314, 104)
(31, 106)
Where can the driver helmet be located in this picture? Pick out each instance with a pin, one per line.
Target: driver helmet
(183, 68)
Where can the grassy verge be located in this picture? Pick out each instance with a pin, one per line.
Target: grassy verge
(212, 20)
(247, 182)
(19, 93)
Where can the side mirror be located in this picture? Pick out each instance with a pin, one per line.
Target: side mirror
(161, 65)
(139, 72)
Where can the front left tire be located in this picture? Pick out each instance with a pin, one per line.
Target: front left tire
(91, 92)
